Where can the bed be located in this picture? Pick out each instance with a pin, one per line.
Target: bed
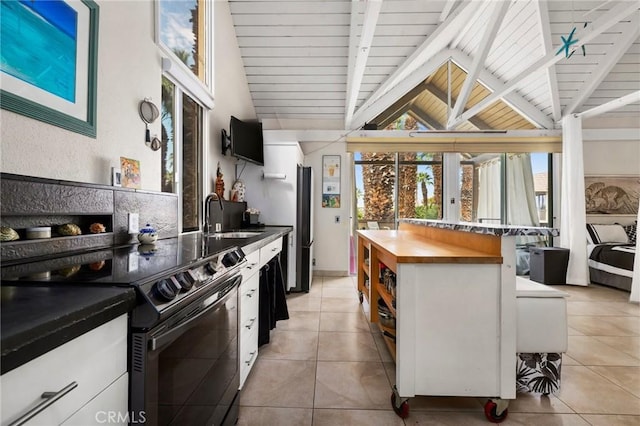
(611, 250)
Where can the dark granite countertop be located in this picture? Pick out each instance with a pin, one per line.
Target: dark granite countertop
(35, 320)
(248, 245)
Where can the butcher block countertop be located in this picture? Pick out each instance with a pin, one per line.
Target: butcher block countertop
(409, 247)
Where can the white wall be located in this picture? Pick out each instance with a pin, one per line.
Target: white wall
(231, 91)
(611, 157)
(129, 69)
(331, 239)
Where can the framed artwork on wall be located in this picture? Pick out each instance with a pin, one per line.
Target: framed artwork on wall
(49, 62)
(331, 181)
(130, 173)
(619, 195)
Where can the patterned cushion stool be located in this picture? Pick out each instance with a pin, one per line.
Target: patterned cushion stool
(541, 336)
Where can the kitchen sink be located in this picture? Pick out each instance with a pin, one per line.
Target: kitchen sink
(235, 234)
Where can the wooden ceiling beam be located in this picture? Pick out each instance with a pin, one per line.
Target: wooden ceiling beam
(365, 114)
(423, 117)
(394, 115)
(547, 45)
(611, 58)
(356, 71)
(514, 100)
(447, 9)
(399, 104)
(631, 98)
(497, 12)
(425, 53)
(617, 13)
(442, 97)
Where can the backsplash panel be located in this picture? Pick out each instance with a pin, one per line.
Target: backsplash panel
(27, 201)
(160, 210)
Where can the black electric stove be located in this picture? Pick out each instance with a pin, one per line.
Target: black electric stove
(167, 274)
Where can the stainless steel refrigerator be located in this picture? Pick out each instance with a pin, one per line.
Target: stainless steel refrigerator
(304, 231)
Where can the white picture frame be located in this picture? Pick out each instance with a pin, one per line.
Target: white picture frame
(116, 176)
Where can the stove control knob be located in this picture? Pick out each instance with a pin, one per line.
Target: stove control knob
(211, 268)
(165, 289)
(230, 259)
(185, 279)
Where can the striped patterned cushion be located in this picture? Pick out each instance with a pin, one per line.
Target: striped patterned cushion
(631, 232)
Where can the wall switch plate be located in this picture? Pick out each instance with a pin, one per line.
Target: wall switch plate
(134, 225)
(337, 219)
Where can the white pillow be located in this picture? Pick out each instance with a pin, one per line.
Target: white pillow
(602, 234)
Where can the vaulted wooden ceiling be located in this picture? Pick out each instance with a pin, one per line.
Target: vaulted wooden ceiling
(351, 60)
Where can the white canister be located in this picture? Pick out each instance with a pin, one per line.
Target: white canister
(38, 232)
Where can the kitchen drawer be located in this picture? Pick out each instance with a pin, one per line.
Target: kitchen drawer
(248, 354)
(251, 267)
(109, 407)
(269, 251)
(249, 318)
(249, 296)
(93, 361)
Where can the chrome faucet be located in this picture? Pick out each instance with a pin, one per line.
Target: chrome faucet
(207, 210)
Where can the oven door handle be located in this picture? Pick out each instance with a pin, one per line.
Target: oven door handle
(182, 326)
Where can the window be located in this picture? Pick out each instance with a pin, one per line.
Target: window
(383, 198)
(184, 33)
(505, 188)
(420, 185)
(182, 137)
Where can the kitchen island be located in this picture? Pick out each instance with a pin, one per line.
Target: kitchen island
(450, 288)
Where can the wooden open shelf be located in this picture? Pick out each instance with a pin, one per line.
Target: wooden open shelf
(391, 344)
(382, 292)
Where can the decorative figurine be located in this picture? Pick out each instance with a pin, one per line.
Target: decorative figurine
(147, 235)
(219, 189)
(239, 189)
(97, 228)
(69, 229)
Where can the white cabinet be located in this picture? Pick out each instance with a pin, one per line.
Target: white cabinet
(249, 305)
(106, 408)
(74, 374)
(269, 251)
(249, 308)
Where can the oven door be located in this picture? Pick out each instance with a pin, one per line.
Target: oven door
(185, 370)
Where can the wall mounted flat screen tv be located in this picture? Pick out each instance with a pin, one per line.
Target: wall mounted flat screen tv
(246, 140)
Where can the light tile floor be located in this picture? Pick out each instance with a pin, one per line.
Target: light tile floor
(327, 366)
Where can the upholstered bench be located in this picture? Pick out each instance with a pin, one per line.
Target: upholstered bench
(541, 336)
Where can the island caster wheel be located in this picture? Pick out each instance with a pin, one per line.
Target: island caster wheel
(496, 410)
(400, 405)
(360, 297)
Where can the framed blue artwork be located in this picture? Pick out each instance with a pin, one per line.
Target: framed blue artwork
(49, 61)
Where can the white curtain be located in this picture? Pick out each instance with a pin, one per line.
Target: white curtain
(573, 232)
(521, 194)
(521, 208)
(489, 188)
(635, 281)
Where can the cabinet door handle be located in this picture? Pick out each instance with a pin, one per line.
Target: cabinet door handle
(253, 354)
(251, 322)
(48, 399)
(251, 265)
(274, 249)
(250, 292)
